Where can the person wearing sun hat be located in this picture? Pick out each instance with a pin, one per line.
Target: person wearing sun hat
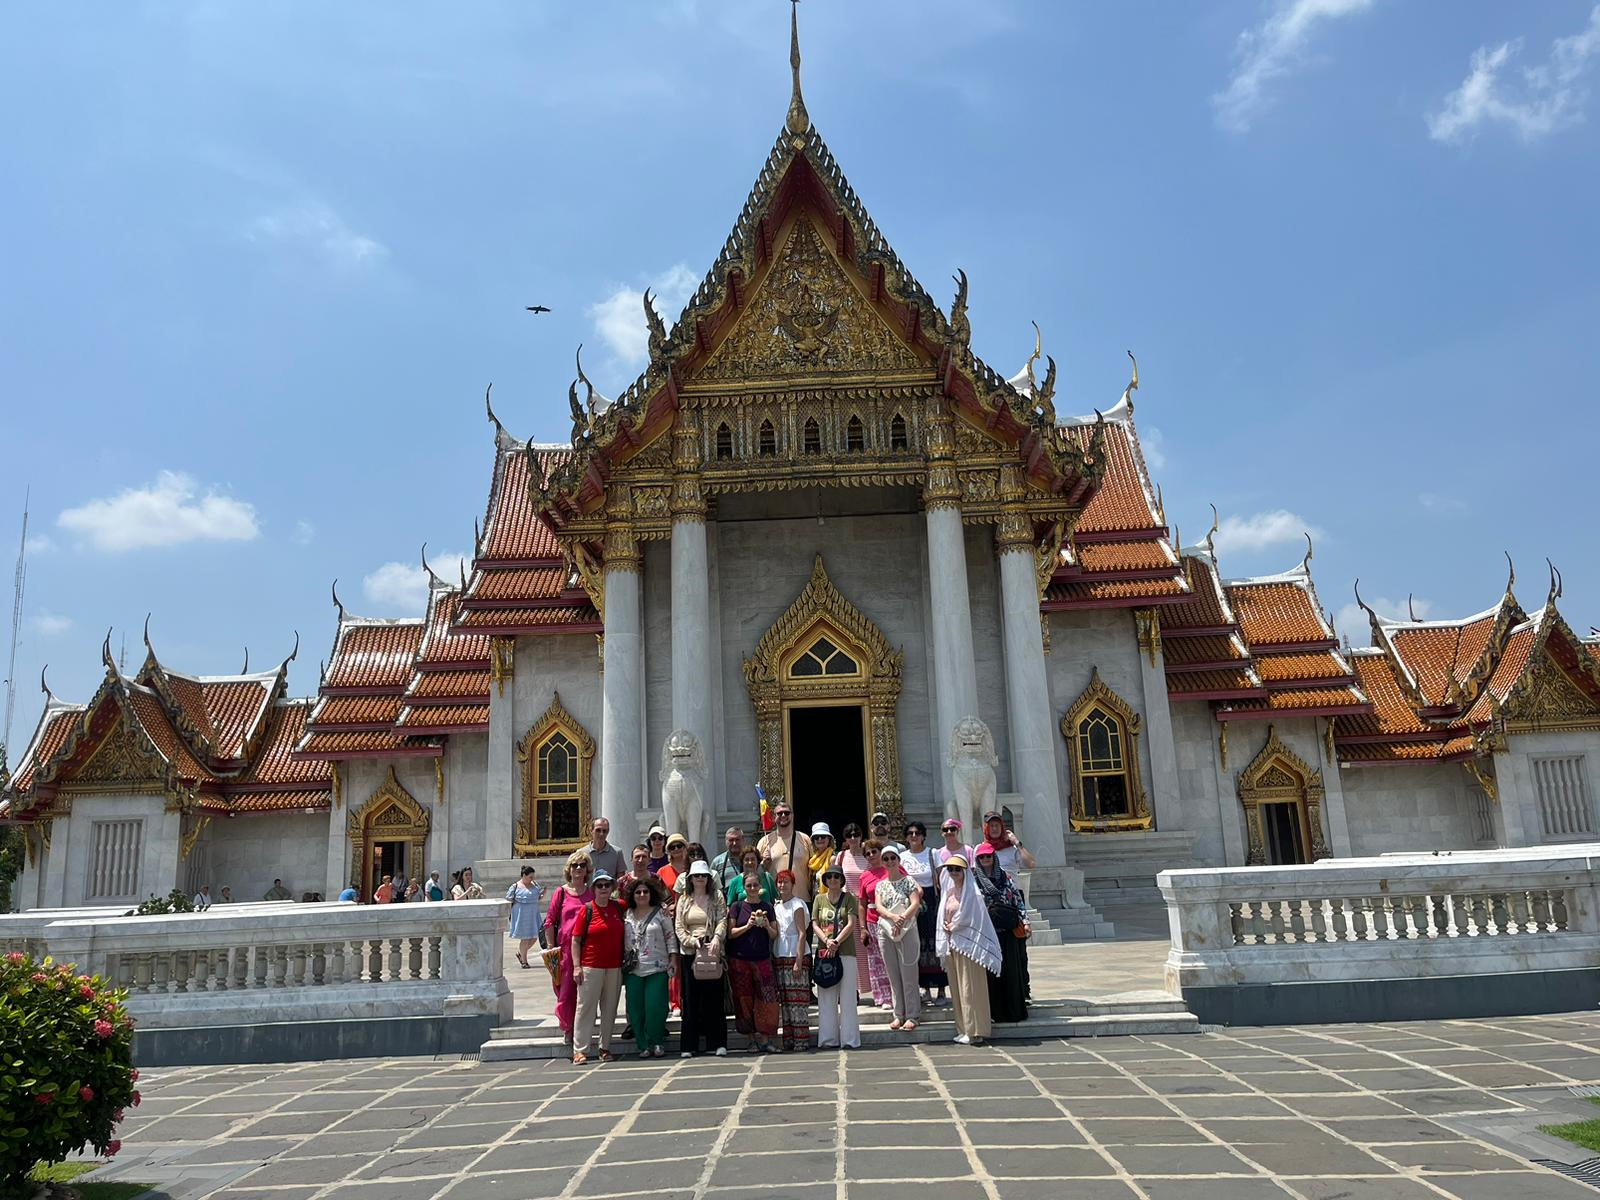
(597, 940)
(969, 949)
(835, 920)
(898, 900)
(656, 846)
(821, 853)
(702, 920)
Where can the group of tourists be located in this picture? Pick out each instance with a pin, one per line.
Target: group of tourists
(762, 931)
(397, 889)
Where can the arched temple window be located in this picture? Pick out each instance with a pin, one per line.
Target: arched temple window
(855, 435)
(556, 756)
(897, 434)
(767, 445)
(724, 441)
(1102, 734)
(811, 442)
(823, 659)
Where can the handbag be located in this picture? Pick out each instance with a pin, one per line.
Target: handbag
(630, 954)
(1022, 931)
(826, 970)
(707, 961)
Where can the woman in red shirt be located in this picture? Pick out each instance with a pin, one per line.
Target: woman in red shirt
(597, 955)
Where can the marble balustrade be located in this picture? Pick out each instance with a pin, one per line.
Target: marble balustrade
(285, 962)
(1394, 917)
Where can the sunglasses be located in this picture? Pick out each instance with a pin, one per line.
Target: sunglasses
(601, 884)
(949, 829)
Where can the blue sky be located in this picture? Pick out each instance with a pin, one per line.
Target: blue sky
(257, 264)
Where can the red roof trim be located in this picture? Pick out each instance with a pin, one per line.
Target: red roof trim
(1122, 535)
(403, 751)
(1284, 714)
(1050, 606)
(1239, 694)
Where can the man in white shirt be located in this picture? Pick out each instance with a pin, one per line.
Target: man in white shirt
(202, 898)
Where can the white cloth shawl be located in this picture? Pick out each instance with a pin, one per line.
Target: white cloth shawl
(972, 934)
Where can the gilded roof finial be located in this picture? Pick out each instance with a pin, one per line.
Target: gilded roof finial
(1411, 606)
(1211, 534)
(1133, 384)
(43, 686)
(1305, 563)
(1511, 572)
(798, 121)
(293, 654)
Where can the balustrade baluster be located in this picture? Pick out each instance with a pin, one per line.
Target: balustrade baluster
(297, 973)
(1480, 915)
(319, 963)
(1258, 924)
(435, 957)
(1558, 907)
(1380, 918)
(1236, 922)
(374, 958)
(1358, 918)
(1275, 915)
(1319, 920)
(1297, 919)
(1539, 902)
(1498, 913)
(1339, 912)
(1405, 908)
(414, 956)
(394, 960)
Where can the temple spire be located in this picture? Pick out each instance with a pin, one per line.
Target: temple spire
(799, 121)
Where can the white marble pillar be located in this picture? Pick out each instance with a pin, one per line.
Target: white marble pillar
(1029, 715)
(621, 760)
(1158, 740)
(502, 795)
(691, 634)
(955, 675)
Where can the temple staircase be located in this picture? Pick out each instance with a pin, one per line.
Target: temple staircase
(1150, 1013)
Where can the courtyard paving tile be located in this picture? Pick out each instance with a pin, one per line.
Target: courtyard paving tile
(1388, 1112)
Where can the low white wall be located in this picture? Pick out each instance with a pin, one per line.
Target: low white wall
(246, 853)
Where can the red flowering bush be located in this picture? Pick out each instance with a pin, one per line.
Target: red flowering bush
(66, 1066)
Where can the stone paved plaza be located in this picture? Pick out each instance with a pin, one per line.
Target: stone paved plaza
(1357, 1112)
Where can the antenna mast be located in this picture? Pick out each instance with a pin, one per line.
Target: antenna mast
(16, 620)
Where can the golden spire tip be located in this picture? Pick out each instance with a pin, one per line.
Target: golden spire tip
(798, 121)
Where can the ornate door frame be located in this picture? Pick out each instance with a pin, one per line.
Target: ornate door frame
(390, 814)
(775, 688)
(1278, 775)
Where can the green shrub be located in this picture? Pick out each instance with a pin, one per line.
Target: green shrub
(177, 900)
(66, 1066)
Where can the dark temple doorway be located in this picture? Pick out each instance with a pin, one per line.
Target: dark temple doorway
(828, 766)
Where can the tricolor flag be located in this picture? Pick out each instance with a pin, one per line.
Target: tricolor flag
(766, 809)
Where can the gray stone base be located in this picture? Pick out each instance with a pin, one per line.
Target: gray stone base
(1436, 998)
(310, 1041)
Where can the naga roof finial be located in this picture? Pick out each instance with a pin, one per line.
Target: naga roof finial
(337, 603)
(245, 670)
(1511, 571)
(658, 331)
(293, 654)
(594, 400)
(105, 654)
(461, 566)
(798, 121)
(960, 323)
(432, 578)
(1411, 606)
(149, 649)
(1211, 534)
(1305, 563)
(1133, 384)
(1556, 585)
(43, 686)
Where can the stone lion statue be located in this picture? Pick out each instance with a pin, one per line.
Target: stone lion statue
(972, 760)
(683, 772)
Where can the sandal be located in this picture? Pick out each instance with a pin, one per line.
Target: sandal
(579, 1059)
(523, 961)
(605, 1056)
(908, 1026)
(896, 1026)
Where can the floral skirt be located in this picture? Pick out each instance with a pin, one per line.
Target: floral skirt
(794, 1002)
(877, 975)
(755, 997)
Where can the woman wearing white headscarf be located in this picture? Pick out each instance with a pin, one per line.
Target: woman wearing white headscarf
(969, 949)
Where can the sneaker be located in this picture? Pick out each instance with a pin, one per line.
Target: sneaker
(962, 1039)
(644, 1054)
(722, 1052)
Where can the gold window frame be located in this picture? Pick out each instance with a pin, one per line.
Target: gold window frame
(554, 720)
(1098, 695)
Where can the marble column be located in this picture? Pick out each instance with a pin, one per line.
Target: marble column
(1029, 717)
(503, 793)
(1165, 805)
(955, 674)
(691, 601)
(621, 761)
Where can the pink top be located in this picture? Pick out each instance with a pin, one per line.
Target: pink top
(869, 884)
(565, 908)
(945, 853)
(852, 865)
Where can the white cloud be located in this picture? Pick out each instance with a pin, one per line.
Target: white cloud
(1154, 446)
(304, 533)
(1440, 504)
(1258, 531)
(40, 544)
(1269, 52)
(1550, 96)
(316, 228)
(167, 512)
(402, 588)
(619, 318)
(49, 624)
(1351, 622)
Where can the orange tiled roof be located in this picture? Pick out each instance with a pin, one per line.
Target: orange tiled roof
(1323, 665)
(252, 802)
(1392, 713)
(421, 718)
(1405, 752)
(1064, 594)
(1208, 648)
(1592, 645)
(505, 618)
(1513, 661)
(158, 727)
(1125, 500)
(1291, 699)
(1206, 606)
(1435, 653)
(236, 706)
(337, 745)
(1278, 610)
(512, 530)
(274, 763)
(1185, 682)
(333, 712)
(442, 642)
(1144, 555)
(373, 654)
(449, 685)
(50, 735)
(521, 584)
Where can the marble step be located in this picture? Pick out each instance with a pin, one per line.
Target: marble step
(546, 1043)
